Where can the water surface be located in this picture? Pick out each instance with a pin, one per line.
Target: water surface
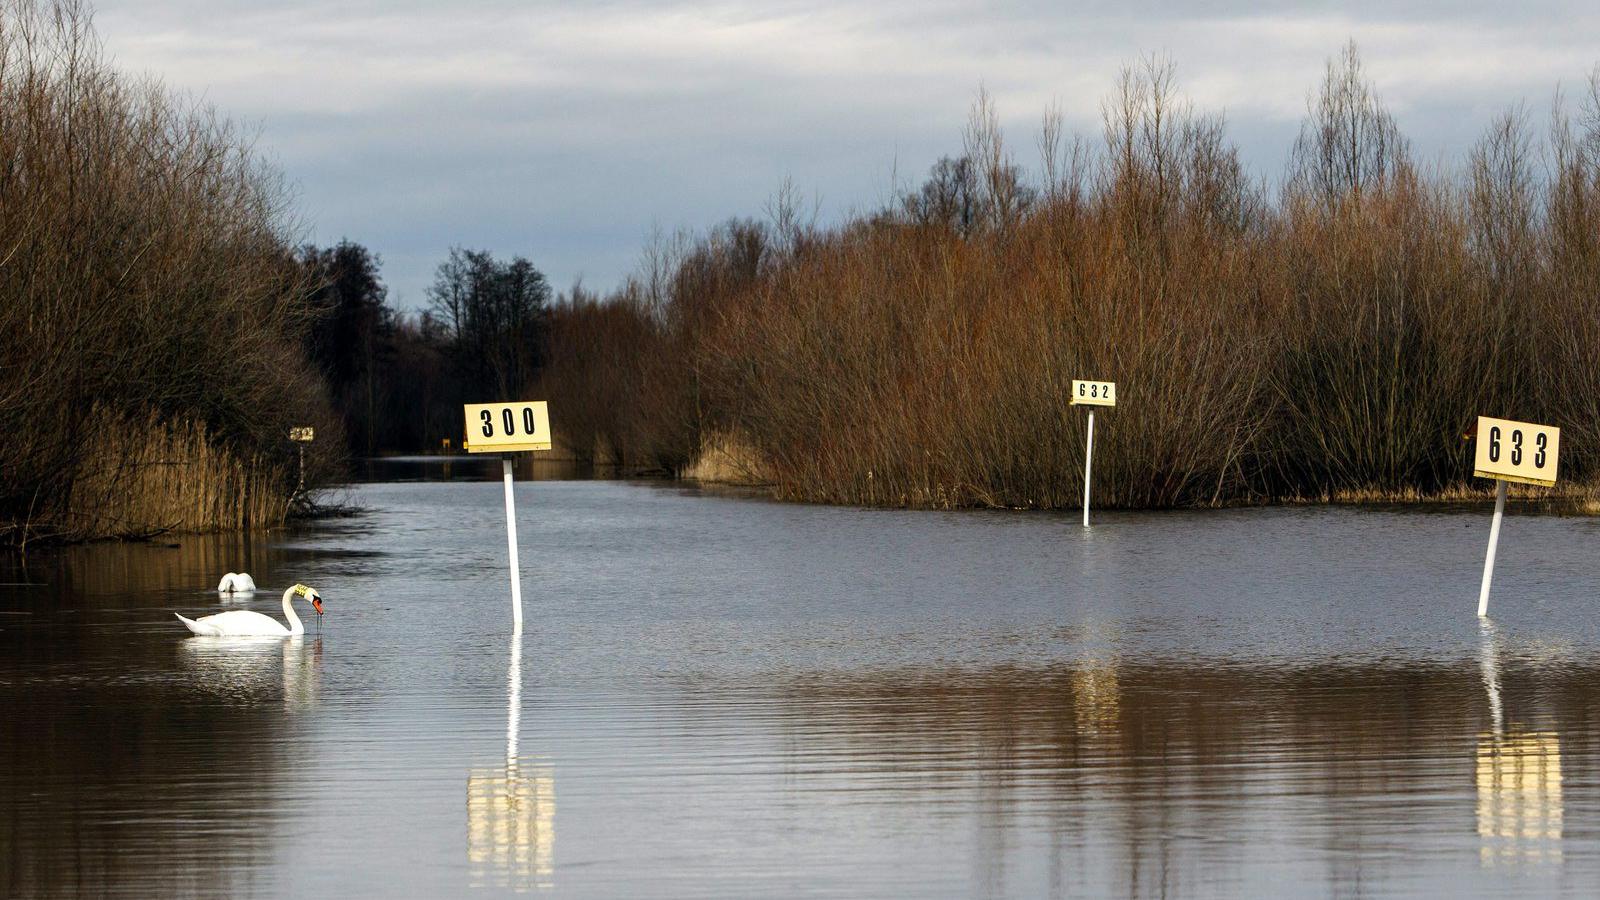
(727, 696)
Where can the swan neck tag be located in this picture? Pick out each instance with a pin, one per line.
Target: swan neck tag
(300, 590)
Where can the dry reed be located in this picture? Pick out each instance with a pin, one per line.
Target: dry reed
(141, 478)
(727, 458)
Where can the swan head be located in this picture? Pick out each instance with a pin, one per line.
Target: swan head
(310, 593)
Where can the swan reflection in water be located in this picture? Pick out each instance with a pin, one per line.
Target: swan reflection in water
(511, 809)
(1518, 779)
(252, 669)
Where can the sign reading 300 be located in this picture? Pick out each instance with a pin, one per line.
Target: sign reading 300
(508, 427)
(1516, 451)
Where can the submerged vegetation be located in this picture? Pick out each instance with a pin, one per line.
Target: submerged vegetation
(1331, 336)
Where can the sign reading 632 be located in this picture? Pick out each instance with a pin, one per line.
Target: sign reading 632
(508, 427)
(1094, 393)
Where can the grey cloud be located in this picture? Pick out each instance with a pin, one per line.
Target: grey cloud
(565, 131)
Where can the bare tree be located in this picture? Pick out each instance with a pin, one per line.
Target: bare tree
(1001, 195)
(1501, 197)
(1349, 145)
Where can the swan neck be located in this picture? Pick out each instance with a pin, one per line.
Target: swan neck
(288, 613)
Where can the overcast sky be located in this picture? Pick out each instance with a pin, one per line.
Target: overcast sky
(566, 131)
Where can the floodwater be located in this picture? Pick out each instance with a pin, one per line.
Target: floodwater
(723, 696)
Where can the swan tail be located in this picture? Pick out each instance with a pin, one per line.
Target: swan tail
(198, 627)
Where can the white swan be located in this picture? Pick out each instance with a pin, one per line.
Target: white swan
(245, 623)
(236, 583)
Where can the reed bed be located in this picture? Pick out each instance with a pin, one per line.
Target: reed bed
(142, 478)
(726, 458)
(1330, 336)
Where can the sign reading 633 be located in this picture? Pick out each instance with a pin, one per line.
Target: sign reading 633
(1516, 451)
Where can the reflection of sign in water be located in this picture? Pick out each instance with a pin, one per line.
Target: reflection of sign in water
(1519, 797)
(1096, 698)
(511, 817)
(511, 810)
(1519, 781)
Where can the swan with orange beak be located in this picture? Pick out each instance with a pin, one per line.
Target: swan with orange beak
(248, 623)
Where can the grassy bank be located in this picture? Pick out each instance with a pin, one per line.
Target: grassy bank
(1330, 335)
(151, 312)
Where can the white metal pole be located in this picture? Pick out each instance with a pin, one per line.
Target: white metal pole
(1494, 541)
(511, 543)
(1088, 464)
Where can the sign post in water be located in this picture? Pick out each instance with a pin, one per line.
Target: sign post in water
(1511, 451)
(508, 428)
(1091, 394)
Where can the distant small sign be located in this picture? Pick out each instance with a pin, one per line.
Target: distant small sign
(1516, 451)
(1094, 393)
(507, 427)
(302, 435)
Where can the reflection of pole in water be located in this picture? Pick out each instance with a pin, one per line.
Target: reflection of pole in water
(511, 809)
(1519, 781)
(513, 702)
(1489, 664)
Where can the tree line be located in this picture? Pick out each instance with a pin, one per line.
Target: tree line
(1330, 334)
(398, 379)
(161, 329)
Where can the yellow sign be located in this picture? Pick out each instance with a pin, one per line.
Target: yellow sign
(303, 435)
(1094, 393)
(1516, 451)
(507, 427)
